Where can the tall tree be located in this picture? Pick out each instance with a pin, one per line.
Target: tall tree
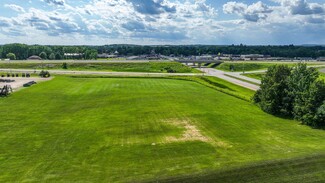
(58, 56)
(272, 96)
(91, 54)
(11, 56)
(43, 55)
(52, 56)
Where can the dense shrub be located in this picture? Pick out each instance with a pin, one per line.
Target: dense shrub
(44, 74)
(295, 93)
(64, 65)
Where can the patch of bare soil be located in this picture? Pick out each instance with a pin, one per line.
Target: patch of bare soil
(18, 82)
(191, 132)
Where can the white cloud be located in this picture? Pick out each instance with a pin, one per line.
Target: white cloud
(15, 7)
(55, 2)
(5, 22)
(253, 12)
(302, 7)
(163, 21)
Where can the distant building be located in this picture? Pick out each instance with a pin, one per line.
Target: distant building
(253, 57)
(73, 55)
(322, 59)
(304, 58)
(153, 56)
(233, 57)
(105, 55)
(34, 57)
(135, 58)
(204, 57)
(276, 58)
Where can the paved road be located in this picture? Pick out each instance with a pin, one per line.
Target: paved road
(103, 73)
(221, 75)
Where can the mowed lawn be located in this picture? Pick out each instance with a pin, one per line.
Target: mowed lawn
(239, 66)
(134, 129)
(152, 67)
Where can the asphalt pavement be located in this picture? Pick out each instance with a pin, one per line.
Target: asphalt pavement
(221, 75)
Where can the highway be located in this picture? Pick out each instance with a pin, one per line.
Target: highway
(221, 75)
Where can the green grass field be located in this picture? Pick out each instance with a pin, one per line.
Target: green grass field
(260, 75)
(241, 66)
(255, 75)
(221, 86)
(109, 66)
(241, 79)
(149, 129)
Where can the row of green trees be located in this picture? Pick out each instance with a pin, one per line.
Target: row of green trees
(293, 92)
(23, 51)
(289, 51)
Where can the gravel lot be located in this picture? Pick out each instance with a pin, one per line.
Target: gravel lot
(19, 81)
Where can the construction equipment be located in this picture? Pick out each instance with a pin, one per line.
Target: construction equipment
(5, 91)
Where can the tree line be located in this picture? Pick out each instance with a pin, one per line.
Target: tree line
(23, 51)
(294, 93)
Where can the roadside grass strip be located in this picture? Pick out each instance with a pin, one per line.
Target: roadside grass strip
(241, 79)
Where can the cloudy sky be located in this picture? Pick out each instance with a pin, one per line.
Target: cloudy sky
(219, 22)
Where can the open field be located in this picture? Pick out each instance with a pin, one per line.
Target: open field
(220, 85)
(148, 129)
(252, 66)
(255, 75)
(155, 67)
(260, 75)
(303, 169)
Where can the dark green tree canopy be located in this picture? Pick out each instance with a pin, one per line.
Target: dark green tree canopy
(296, 93)
(52, 56)
(23, 51)
(43, 55)
(11, 56)
(272, 97)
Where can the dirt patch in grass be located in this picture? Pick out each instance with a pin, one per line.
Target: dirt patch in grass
(191, 132)
(18, 82)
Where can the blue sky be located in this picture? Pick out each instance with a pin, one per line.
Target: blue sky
(219, 22)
